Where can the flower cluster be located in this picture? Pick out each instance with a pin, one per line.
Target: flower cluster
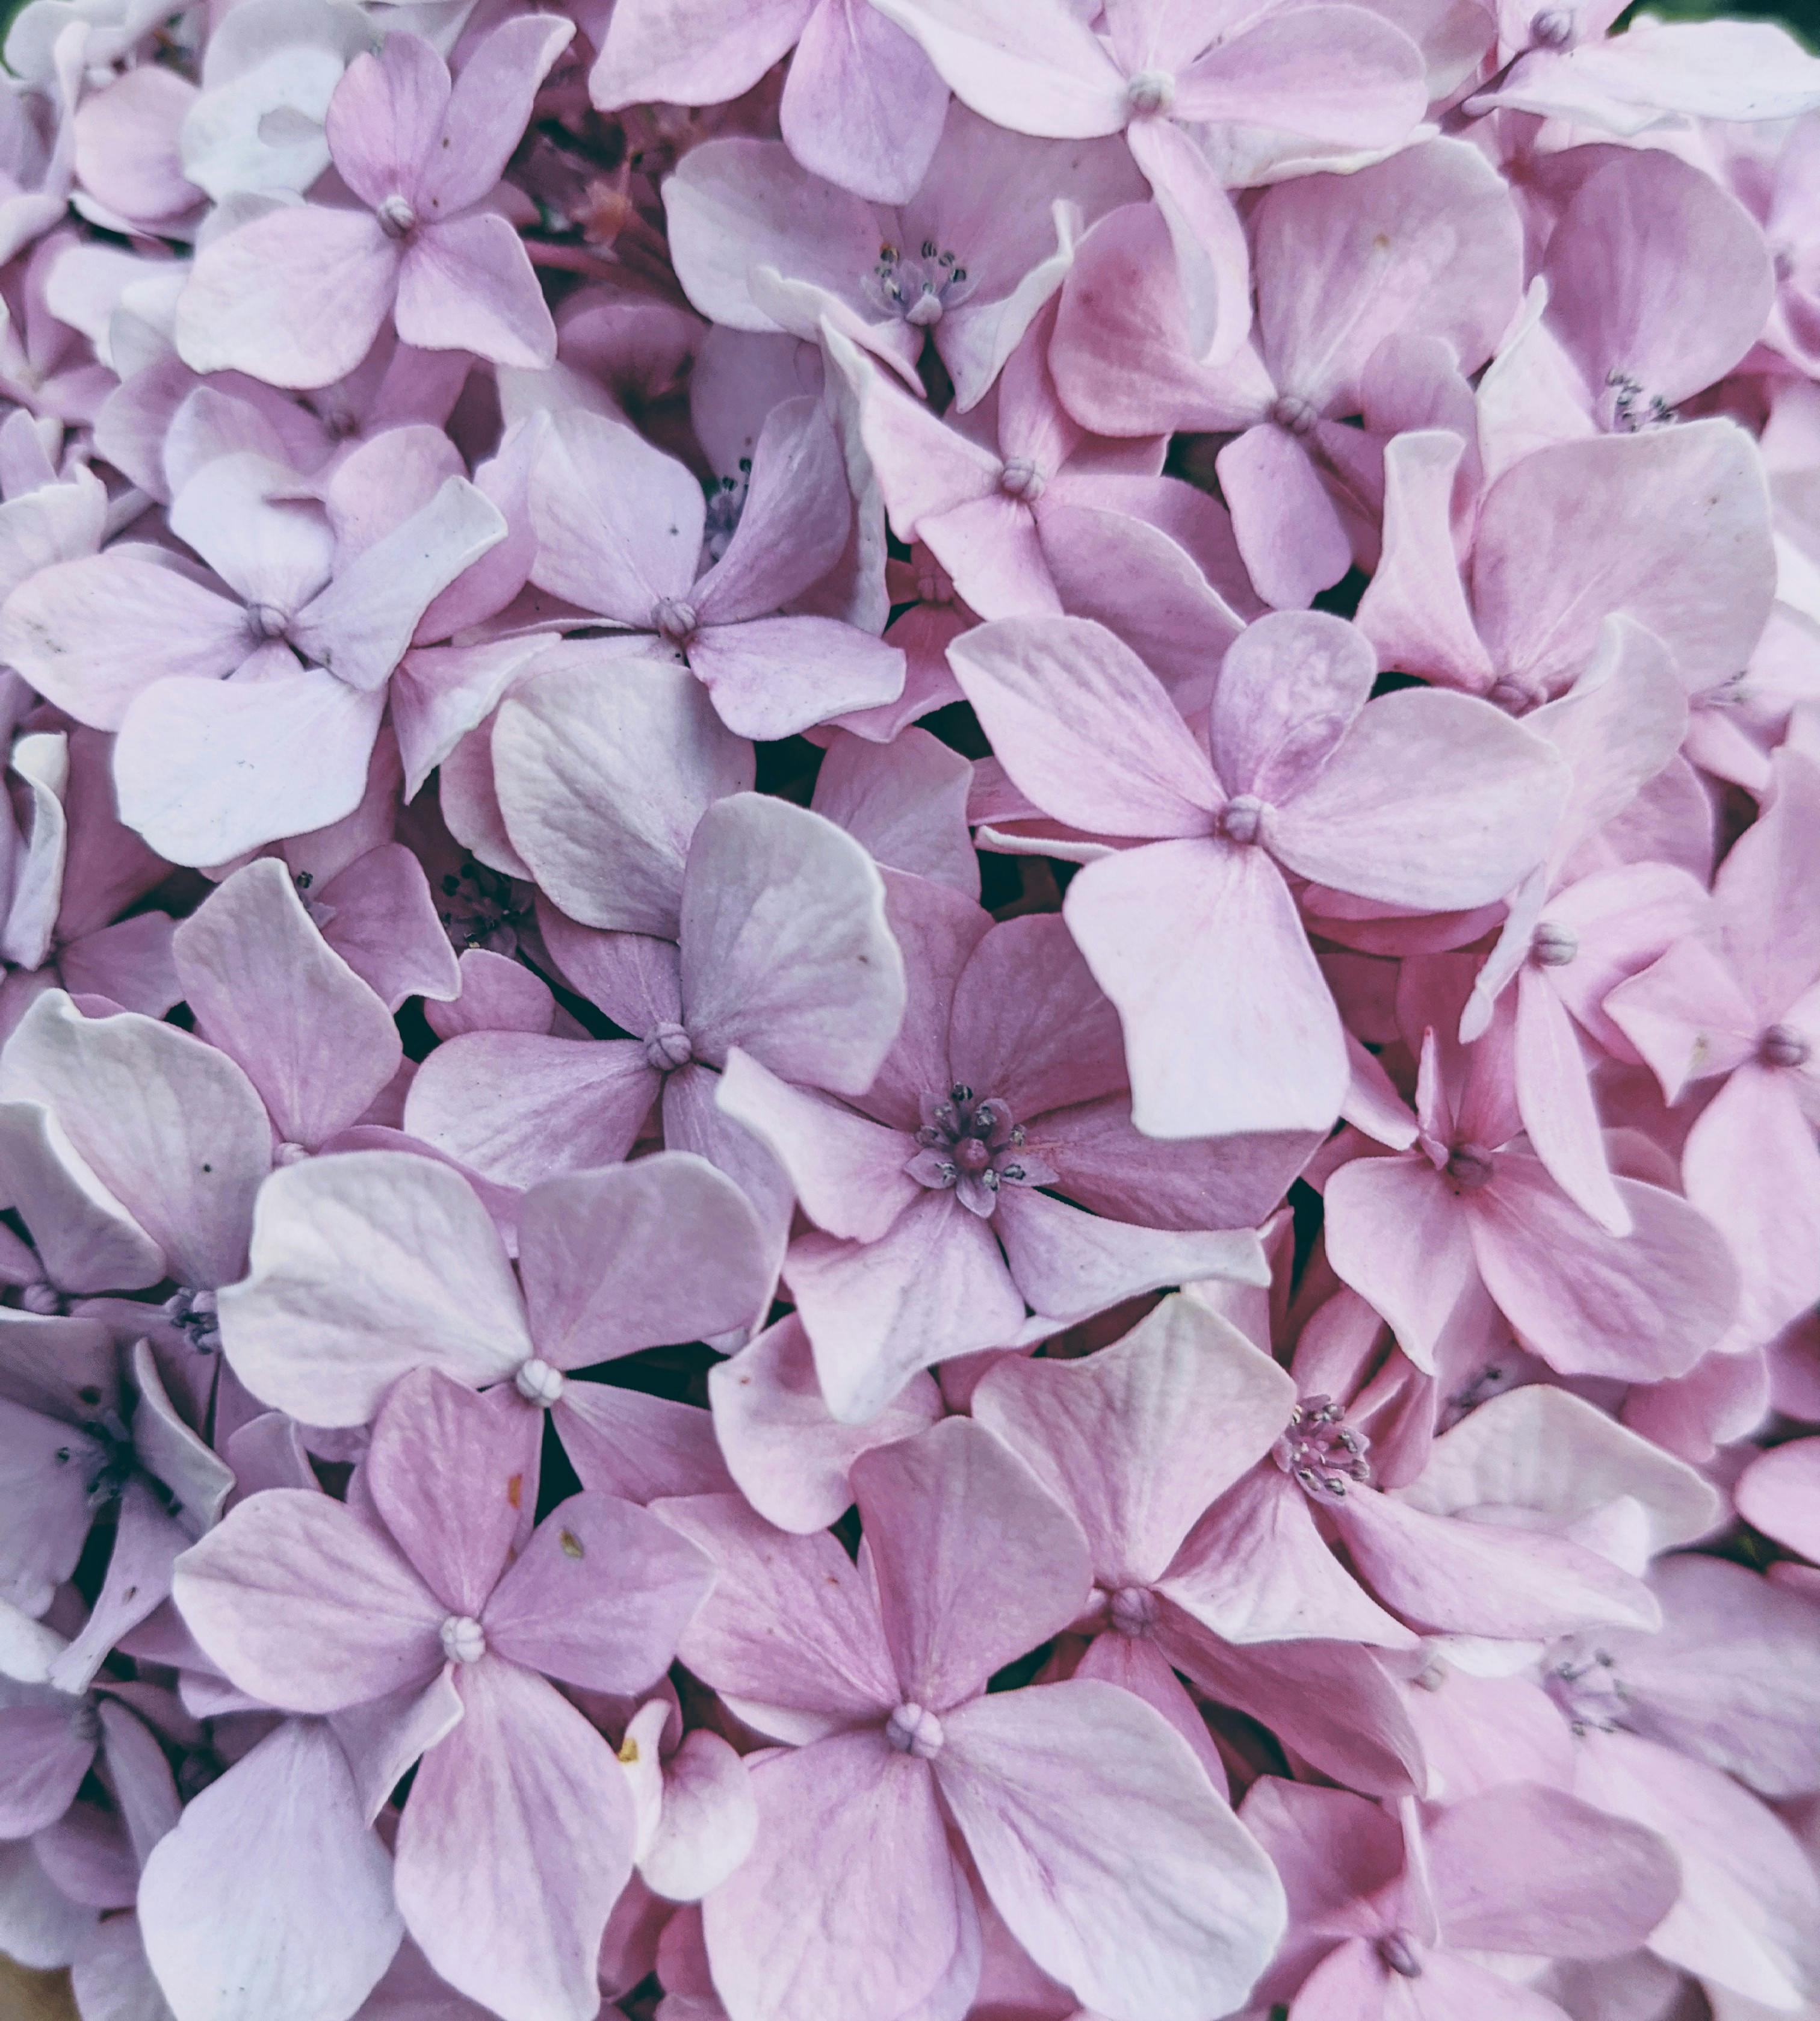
(908, 1076)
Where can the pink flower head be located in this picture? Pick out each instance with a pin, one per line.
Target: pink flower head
(935, 1192)
(601, 545)
(1193, 933)
(414, 1605)
(1090, 1824)
(1341, 82)
(296, 297)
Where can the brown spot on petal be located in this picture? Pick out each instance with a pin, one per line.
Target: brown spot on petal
(629, 1754)
(515, 1490)
(571, 1545)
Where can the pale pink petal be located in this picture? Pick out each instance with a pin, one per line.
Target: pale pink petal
(1555, 1098)
(858, 1823)
(1108, 1853)
(709, 1823)
(618, 523)
(934, 1286)
(786, 951)
(1670, 527)
(906, 801)
(638, 1256)
(641, 1447)
(1433, 801)
(739, 204)
(1255, 1569)
(1288, 530)
(267, 988)
(1687, 1015)
(1121, 356)
(295, 298)
(519, 1106)
(1035, 67)
(284, 1826)
(600, 1597)
(1030, 1027)
(1483, 1578)
(1749, 1902)
(1228, 1025)
(93, 634)
(86, 1240)
(1110, 1435)
(364, 1267)
(386, 117)
(671, 52)
(1779, 1494)
(1414, 609)
(515, 1844)
(794, 524)
(850, 1174)
(1545, 1450)
(773, 677)
(1069, 1264)
(1343, 76)
(976, 1563)
(1656, 273)
(207, 769)
(1642, 1307)
(490, 107)
(1397, 1232)
(468, 284)
(1428, 242)
(861, 105)
(792, 1622)
(1751, 1168)
(1085, 728)
(789, 1455)
(171, 1127)
(602, 773)
(361, 625)
(1291, 687)
(443, 1472)
(1212, 260)
(302, 1604)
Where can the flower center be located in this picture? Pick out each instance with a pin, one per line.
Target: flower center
(1633, 408)
(268, 620)
(1242, 820)
(1552, 946)
(1292, 412)
(1783, 1046)
(1470, 1167)
(1321, 1452)
(974, 1146)
(1022, 479)
(43, 1298)
(1396, 1952)
(1148, 91)
(1133, 1610)
(1584, 1683)
(913, 1731)
(537, 1382)
(1553, 28)
(464, 1639)
(193, 1314)
(396, 217)
(484, 909)
(674, 620)
(725, 502)
(1514, 697)
(666, 1047)
(918, 290)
